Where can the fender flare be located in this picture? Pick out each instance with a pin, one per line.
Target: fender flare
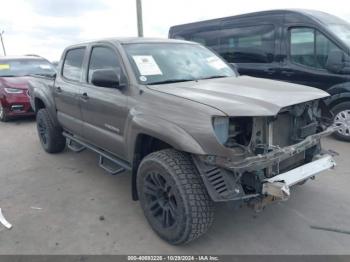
(163, 130)
(48, 102)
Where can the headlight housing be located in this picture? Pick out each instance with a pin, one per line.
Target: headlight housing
(233, 131)
(221, 128)
(13, 90)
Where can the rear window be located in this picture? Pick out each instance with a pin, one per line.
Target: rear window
(73, 64)
(207, 38)
(253, 44)
(249, 44)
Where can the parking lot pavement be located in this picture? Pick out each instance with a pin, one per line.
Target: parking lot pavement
(65, 204)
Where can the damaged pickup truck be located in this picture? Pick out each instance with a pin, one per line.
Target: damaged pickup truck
(191, 131)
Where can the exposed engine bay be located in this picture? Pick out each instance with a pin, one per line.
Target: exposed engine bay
(266, 147)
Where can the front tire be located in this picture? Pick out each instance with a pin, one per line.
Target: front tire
(341, 119)
(50, 135)
(3, 116)
(173, 196)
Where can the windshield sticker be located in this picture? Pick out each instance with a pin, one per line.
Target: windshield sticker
(216, 62)
(4, 66)
(143, 78)
(147, 65)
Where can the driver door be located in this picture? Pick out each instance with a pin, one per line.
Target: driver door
(104, 109)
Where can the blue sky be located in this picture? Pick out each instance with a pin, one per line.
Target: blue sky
(45, 27)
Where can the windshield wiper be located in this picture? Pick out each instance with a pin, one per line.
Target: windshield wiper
(171, 81)
(212, 77)
(7, 76)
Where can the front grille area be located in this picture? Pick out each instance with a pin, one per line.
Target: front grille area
(17, 108)
(282, 129)
(291, 163)
(286, 132)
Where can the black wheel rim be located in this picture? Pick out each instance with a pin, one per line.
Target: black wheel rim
(42, 129)
(160, 199)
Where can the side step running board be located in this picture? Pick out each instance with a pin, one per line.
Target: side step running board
(110, 163)
(74, 146)
(110, 166)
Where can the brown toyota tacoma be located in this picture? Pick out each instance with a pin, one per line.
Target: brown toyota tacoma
(191, 131)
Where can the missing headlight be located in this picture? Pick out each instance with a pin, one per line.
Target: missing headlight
(240, 132)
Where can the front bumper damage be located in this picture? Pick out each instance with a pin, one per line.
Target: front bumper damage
(223, 177)
(278, 186)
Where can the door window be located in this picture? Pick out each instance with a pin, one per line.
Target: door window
(103, 58)
(253, 44)
(323, 47)
(73, 64)
(309, 47)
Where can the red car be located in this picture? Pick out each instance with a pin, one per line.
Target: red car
(14, 100)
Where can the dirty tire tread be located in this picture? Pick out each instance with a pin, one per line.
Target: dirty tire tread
(336, 109)
(57, 142)
(200, 209)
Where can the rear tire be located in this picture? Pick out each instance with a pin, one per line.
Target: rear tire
(341, 113)
(50, 135)
(173, 196)
(3, 115)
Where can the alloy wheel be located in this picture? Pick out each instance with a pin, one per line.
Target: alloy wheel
(342, 120)
(42, 129)
(160, 199)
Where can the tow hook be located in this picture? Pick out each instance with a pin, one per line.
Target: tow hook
(279, 190)
(271, 192)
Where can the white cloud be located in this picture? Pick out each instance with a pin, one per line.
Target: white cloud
(34, 26)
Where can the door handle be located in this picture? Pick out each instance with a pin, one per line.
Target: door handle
(84, 96)
(287, 72)
(58, 89)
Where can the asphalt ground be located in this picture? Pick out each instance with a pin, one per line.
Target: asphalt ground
(66, 204)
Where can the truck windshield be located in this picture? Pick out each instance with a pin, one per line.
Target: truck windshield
(342, 31)
(161, 63)
(23, 67)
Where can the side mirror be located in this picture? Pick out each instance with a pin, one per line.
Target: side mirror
(110, 78)
(335, 61)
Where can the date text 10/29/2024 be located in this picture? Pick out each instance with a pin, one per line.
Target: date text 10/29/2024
(174, 258)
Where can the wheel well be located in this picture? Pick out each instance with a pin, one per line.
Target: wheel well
(144, 146)
(338, 101)
(39, 104)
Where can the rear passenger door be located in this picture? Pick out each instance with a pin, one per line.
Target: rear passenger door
(251, 47)
(104, 109)
(66, 90)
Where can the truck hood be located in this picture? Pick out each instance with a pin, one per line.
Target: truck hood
(243, 95)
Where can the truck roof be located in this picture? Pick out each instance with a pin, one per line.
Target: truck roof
(134, 40)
